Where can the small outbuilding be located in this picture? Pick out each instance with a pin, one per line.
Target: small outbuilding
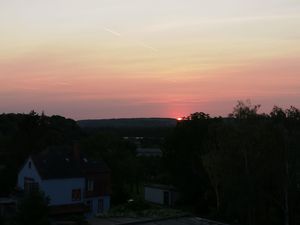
(149, 152)
(161, 194)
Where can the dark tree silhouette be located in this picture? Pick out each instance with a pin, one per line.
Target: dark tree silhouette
(33, 210)
(244, 168)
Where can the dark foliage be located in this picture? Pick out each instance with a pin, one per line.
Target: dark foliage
(119, 154)
(24, 134)
(243, 169)
(33, 210)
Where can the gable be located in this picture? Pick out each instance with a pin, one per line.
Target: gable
(28, 171)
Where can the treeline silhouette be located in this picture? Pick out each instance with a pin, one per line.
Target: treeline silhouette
(25, 134)
(244, 169)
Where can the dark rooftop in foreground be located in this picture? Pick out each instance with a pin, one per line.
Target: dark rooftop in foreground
(181, 220)
(65, 162)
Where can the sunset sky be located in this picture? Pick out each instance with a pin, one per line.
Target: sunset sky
(142, 58)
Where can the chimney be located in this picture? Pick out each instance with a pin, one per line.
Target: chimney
(76, 151)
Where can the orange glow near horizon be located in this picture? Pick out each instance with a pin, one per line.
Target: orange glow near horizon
(110, 59)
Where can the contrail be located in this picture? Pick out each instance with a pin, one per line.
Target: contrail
(138, 42)
(112, 31)
(147, 46)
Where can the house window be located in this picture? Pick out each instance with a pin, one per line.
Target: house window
(89, 203)
(100, 206)
(30, 186)
(90, 185)
(76, 195)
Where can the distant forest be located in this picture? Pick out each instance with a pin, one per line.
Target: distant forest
(134, 127)
(243, 169)
(131, 123)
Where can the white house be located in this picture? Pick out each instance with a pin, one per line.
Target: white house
(72, 182)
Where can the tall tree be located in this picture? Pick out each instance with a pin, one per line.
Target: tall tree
(120, 156)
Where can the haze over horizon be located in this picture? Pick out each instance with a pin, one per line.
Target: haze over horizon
(136, 58)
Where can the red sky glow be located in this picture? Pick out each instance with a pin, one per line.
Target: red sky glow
(112, 59)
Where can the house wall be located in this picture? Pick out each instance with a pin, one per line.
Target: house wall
(156, 195)
(29, 173)
(95, 204)
(106, 203)
(101, 184)
(60, 190)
